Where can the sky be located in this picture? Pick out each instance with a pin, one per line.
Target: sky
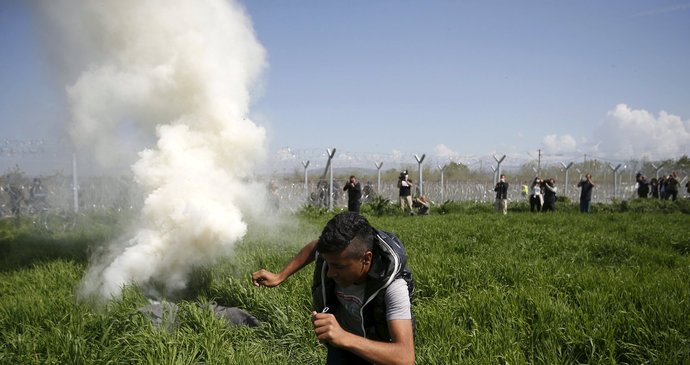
(450, 79)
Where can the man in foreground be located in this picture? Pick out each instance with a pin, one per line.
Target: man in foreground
(361, 292)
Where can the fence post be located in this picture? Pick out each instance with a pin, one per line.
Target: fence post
(421, 180)
(566, 167)
(442, 186)
(306, 180)
(378, 177)
(330, 153)
(75, 185)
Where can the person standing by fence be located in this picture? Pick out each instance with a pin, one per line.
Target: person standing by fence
(354, 194)
(536, 199)
(586, 185)
(654, 187)
(550, 190)
(405, 193)
(672, 186)
(501, 190)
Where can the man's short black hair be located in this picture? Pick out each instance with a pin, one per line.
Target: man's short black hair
(343, 230)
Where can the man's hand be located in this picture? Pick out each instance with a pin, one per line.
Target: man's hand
(327, 328)
(264, 277)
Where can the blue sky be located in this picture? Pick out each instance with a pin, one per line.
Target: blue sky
(445, 78)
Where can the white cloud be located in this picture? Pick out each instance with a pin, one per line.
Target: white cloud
(555, 144)
(397, 155)
(665, 10)
(637, 133)
(444, 153)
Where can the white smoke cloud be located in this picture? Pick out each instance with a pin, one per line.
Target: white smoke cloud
(637, 133)
(181, 70)
(555, 144)
(284, 154)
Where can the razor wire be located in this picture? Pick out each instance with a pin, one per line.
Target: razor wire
(284, 171)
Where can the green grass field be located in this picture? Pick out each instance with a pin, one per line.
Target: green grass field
(564, 288)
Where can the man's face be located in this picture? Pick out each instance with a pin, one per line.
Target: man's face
(346, 268)
(353, 180)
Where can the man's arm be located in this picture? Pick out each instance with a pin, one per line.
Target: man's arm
(399, 351)
(305, 256)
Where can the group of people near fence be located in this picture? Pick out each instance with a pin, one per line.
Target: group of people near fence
(665, 188)
(412, 206)
(418, 205)
(542, 195)
(15, 192)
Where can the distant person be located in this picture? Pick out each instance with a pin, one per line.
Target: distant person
(654, 187)
(642, 186)
(549, 195)
(37, 192)
(422, 205)
(501, 190)
(323, 190)
(37, 197)
(525, 190)
(16, 197)
(536, 199)
(405, 192)
(672, 186)
(361, 290)
(354, 194)
(662, 187)
(586, 185)
(367, 192)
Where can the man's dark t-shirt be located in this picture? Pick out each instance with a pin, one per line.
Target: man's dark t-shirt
(354, 196)
(586, 193)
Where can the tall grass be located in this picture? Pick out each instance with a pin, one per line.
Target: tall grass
(564, 288)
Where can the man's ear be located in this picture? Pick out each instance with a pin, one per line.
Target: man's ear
(367, 257)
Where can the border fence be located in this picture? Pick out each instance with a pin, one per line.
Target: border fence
(299, 177)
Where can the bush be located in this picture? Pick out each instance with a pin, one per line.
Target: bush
(563, 199)
(449, 206)
(380, 206)
(640, 205)
(312, 211)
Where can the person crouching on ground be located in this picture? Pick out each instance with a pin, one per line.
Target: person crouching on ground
(361, 292)
(422, 205)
